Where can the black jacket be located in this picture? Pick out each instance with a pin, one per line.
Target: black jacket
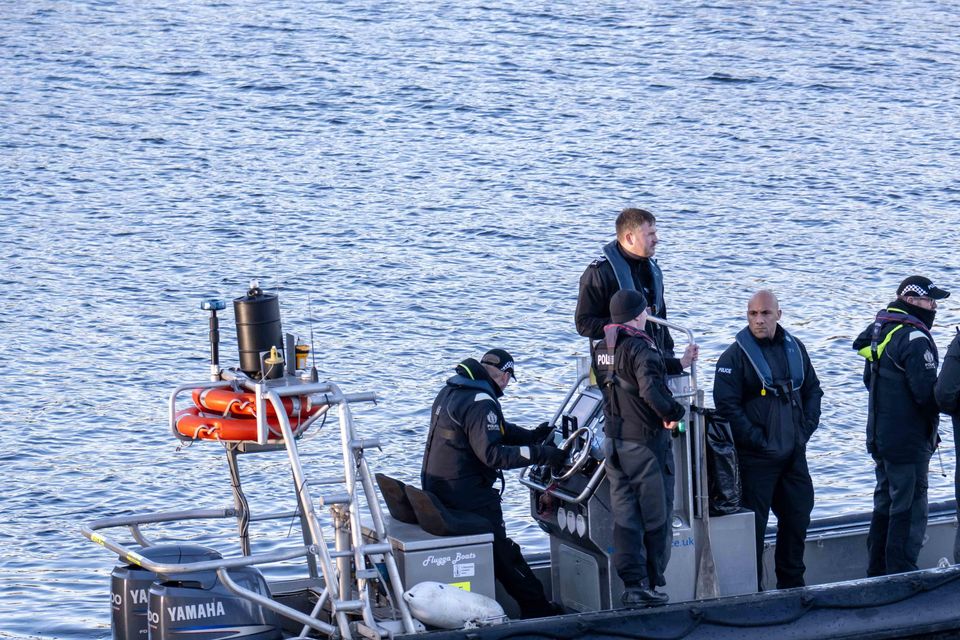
(598, 284)
(947, 389)
(470, 442)
(903, 415)
(767, 425)
(636, 400)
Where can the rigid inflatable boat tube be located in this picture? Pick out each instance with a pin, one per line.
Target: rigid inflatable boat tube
(447, 607)
(909, 605)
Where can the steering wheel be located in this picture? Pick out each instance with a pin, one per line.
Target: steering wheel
(577, 446)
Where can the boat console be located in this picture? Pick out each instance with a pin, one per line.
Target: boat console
(573, 507)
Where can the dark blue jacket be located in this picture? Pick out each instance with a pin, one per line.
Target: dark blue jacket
(470, 441)
(636, 400)
(598, 284)
(947, 388)
(766, 424)
(947, 392)
(903, 413)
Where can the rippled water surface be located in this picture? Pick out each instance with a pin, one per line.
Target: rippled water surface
(421, 181)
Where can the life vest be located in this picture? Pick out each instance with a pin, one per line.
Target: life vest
(875, 349)
(448, 453)
(605, 365)
(605, 357)
(624, 275)
(751, 348)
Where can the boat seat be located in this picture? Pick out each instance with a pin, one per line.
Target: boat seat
(397, 502)
(437, 519)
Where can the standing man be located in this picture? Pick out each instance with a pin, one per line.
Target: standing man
(900, 372)
(947, 392)
(639, 412)
(468, 445)
(626, 263)
(766, 387)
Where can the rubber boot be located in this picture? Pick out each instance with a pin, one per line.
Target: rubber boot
(898, 545)
(637, 595)
(877, 545)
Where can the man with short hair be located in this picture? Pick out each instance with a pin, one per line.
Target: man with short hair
(468, 445)
(900, 373)
(626, 263)
(766, 387)
(639, 412)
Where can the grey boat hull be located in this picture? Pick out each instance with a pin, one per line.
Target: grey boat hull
(912, 605)
(838, 603)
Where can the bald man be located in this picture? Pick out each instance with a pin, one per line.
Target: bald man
(767, 388)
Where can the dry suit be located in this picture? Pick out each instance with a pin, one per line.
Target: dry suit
(468, 445)
(770, 393)
(900, 373)
(638, 454)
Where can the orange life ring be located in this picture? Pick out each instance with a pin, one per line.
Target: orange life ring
(195, 424)
(236, 404)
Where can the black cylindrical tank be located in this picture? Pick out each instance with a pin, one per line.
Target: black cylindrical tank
(130, 584)
(197, 606)
(258, 328)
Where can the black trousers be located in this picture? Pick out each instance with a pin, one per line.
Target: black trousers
(512, 571)
(899, 519)
(785, 487)
(641, 498)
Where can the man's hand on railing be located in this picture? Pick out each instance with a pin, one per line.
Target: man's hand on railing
(690, 354)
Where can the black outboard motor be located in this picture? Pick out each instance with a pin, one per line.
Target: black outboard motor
(258, 329)
(130, 584)
(196, 606)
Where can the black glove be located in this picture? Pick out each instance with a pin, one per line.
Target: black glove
(542, 431)
(553, 457)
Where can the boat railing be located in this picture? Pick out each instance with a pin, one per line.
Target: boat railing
(693, 395)
(347, 568)
(131, 555)
(325, 393)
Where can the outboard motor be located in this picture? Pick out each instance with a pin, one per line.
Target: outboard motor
(130, 584)
(197, 606)
(258, 330)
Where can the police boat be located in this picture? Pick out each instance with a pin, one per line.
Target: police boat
(416, 568)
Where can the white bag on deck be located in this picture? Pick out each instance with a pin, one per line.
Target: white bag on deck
(447, 607)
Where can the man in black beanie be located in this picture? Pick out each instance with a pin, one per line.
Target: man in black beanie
(900, 372)
(639, 412)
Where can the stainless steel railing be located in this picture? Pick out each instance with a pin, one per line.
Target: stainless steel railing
(345, 587)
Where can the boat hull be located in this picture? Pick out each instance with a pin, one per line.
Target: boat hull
(911, 605)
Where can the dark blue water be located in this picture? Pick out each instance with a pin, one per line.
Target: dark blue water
(421, 181)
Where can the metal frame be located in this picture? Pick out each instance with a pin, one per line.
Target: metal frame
(699, 508)
(344, 591)
(697, 505)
